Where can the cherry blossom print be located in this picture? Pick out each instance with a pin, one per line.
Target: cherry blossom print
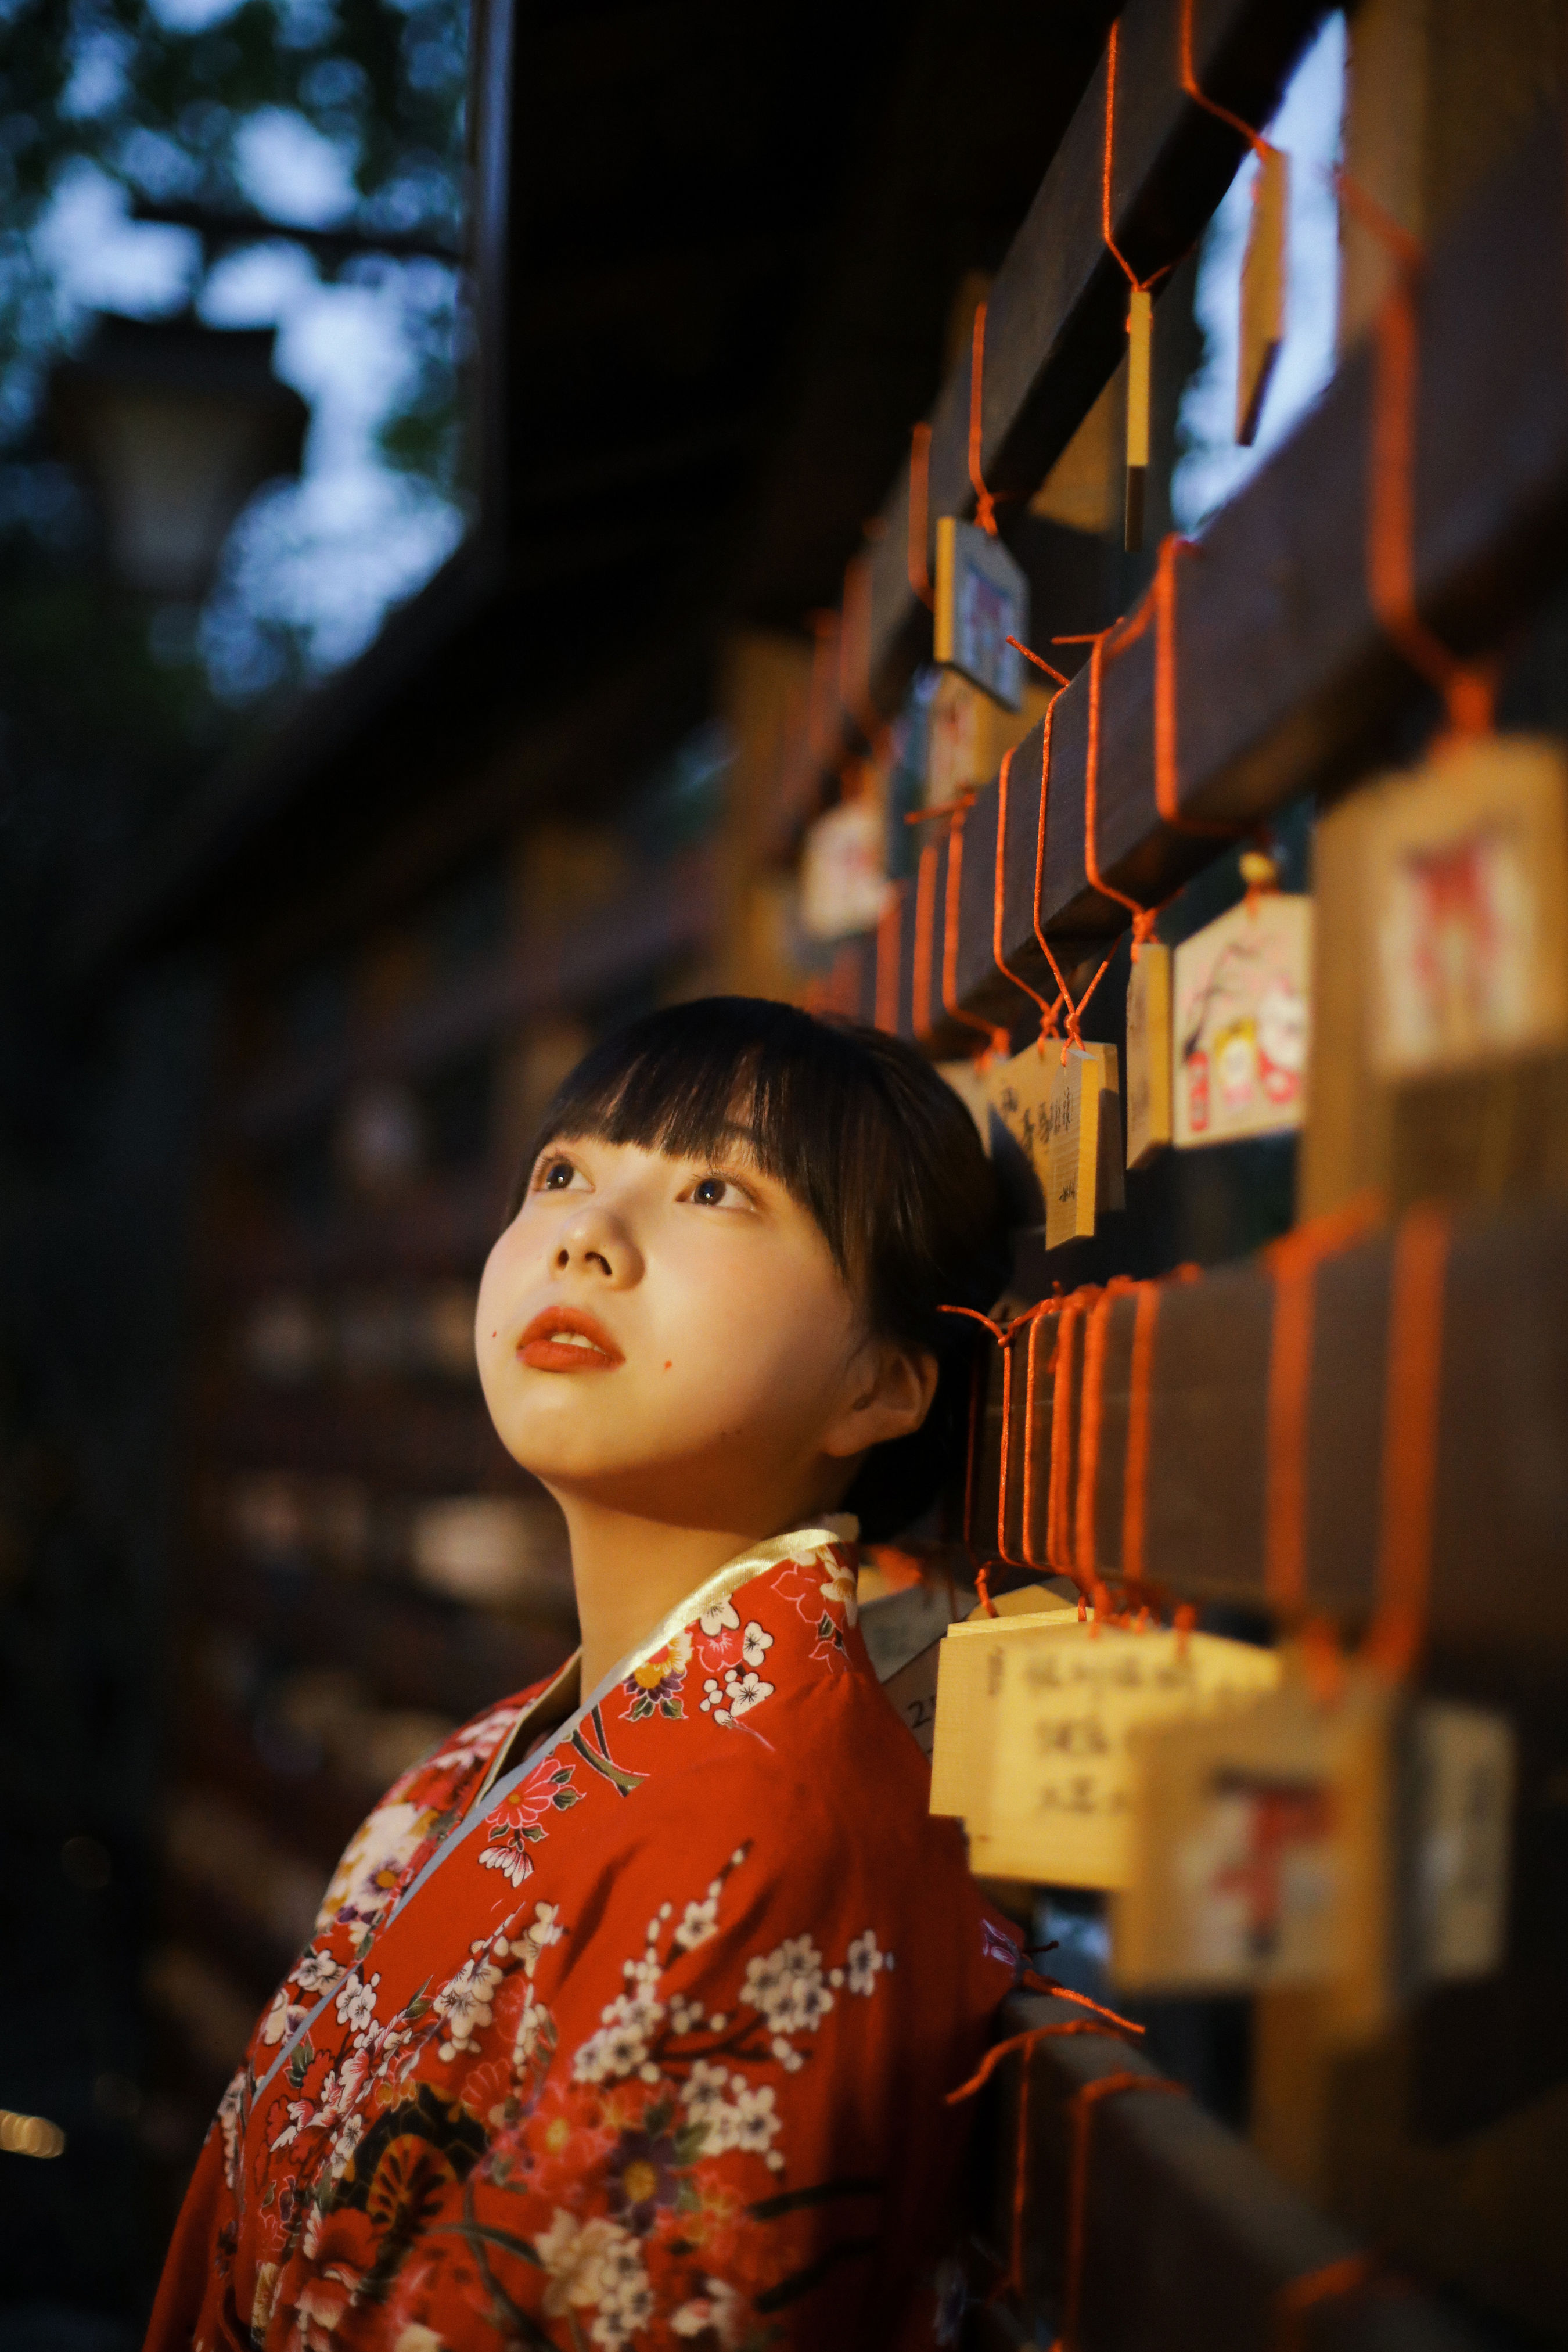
(718, 2311)
(581, 2076)
(862, 1962)
(356, 2003)
(520, 1822)
(741, 1693)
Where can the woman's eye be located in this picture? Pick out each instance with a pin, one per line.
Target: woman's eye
(555, 1176)
(716, 1192)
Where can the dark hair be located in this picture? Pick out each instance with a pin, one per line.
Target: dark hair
(862, 1131)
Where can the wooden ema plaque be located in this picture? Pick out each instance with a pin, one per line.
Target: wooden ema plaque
(1148, 1054)
(1242, 1020)
(1140, 389)
(1034, 1720)
(1360, 1845)
(967, 732)
(1066, 1118)
(982, 600)
(1439, 1058)
(1263, 283)
(1468, 909)
(1256, 1843)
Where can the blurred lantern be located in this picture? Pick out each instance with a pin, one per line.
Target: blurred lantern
(176, 425)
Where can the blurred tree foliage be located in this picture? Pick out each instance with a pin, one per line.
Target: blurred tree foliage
(107, 715)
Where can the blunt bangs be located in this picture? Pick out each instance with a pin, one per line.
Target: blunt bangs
(861, 1130)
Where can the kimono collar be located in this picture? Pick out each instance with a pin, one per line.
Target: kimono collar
(833, 1528)
(560, 1706)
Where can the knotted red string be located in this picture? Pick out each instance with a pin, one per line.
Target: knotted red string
(855, 650)
(1059, 1531)
(1350, 2275)
(997, 1038)
(889, 930)
(917, 553)
(1140, 1387)
(1254, 139)
(1096, 1339)
(1410, 1430)
(1469, 688)
(1084, 2104)
(1143, 917)
(821, 731)
(1106, 175)
(999, 1333)
(1293, 1262)
(985, 505)
(1026, 2044)
(925, 905)
(1074, 1031)
(1046, 1307)
(1049, 1013)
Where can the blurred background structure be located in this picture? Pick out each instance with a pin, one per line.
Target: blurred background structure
(432, 436)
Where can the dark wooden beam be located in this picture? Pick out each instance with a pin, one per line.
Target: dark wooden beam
(1499, 1563)
(668, 914)
(1218, 2235)
(1286, 683)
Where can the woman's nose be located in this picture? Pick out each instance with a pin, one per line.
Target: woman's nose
(597, 1244)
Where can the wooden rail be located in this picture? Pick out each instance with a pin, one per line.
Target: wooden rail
(1189, 2241)
(1285, 683)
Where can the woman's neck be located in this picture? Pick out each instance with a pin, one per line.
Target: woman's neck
(630, 1572)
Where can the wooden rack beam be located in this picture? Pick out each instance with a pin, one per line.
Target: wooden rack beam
(1283, 675)
(670, 913)
(1218, 2236)
(1501, 1520)
(1056, 317)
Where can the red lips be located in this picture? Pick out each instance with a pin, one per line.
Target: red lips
(546, 1348)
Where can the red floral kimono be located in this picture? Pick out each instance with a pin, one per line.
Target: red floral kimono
(644, 2045)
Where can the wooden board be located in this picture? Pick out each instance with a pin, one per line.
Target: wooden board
(1500, 1570)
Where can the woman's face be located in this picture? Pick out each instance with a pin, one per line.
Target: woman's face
(672, 1338)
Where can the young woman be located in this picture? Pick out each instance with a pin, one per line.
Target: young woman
(629, 2013)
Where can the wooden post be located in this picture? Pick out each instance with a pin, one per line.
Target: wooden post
(1438, 90)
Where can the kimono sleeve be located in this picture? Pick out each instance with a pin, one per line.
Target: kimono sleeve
(738, 2131)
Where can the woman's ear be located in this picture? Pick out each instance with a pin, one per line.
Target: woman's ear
(888, 1394)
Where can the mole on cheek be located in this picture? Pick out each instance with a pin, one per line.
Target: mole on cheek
(669, 1366)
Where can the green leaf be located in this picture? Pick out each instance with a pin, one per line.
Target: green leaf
(474, 2230)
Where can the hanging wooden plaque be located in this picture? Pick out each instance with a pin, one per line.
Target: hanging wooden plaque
(1263, 287)
(1241, 1021)
(1467, 899)
(1034, 1726)
(1140, 383)
(1066, 1118)
(1464, 1767)
(1020, 1093)
(844, 885)
(982, 600)
(1148, 1053)
(1082, 1174)
(1259, 1852)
